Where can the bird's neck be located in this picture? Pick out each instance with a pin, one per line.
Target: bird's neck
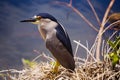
(46, 29)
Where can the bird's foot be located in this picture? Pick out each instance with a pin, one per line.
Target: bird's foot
(56, 67)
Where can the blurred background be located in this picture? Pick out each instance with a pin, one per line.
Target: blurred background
(20, 40)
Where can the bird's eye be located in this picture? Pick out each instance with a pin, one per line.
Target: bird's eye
(38, 17)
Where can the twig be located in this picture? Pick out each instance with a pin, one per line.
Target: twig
(101, 29)
(108, 50)
(79, 13)
(93, 48)
(84, 18)
(70, 2)
(76, 49)
(98, 20)
(103, 46)
(85, 75)
(79, 59)
(78, 77)
(111, 25)
(11, 70)
(107, 46)
(113, 75)
(101, 75)
(42, 55)
(37, 57)
(88, 56)
(85, 49)
(107, 12)
(112, 35)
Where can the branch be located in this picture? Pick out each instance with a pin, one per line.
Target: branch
(70, 2)
(98, 20)
(107, 12)
(78, 12)
(101, 29)
(75, 54)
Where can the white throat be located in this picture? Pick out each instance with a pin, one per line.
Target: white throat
(47, 27)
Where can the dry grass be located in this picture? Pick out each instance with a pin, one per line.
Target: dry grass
(42, 71)
(85, 70)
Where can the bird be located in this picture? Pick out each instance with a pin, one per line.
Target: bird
(56, 39)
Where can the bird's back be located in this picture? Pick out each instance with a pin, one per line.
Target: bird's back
(64, 38)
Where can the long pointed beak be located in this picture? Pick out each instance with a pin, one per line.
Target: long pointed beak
(29, 20)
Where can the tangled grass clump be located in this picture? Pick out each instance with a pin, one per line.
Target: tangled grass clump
(83, 71)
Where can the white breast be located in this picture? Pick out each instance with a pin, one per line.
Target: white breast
(47, 29)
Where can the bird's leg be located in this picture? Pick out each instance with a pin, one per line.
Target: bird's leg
(56, 66)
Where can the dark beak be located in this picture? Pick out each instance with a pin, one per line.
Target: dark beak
(29, 20)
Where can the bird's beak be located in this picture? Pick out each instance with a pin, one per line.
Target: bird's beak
(29, 20)
(34, 20)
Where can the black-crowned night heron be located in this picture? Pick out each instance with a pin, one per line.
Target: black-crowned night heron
(56, 39)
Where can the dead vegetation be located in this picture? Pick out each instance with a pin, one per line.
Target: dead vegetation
(83, 71)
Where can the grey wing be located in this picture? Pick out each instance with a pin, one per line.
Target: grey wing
(62, 55)
(64, 38)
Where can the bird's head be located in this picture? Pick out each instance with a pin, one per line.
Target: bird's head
(39, 18)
